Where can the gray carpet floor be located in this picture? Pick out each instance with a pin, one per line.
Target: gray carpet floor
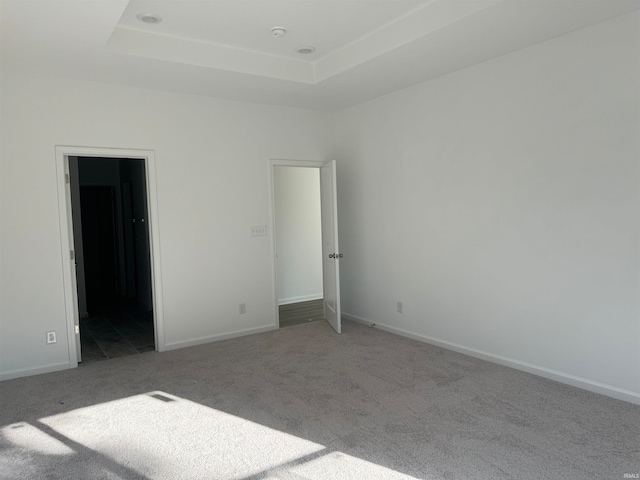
(305, 403)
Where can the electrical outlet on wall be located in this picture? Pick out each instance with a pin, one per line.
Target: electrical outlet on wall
(242, 308)
(51, 337)
(399, 307)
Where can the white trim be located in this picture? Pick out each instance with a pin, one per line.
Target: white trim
(26, 372)
(280, 162)
(217, 338)
(583, 383)
(63, 152)
(302, 298)
(68, 274)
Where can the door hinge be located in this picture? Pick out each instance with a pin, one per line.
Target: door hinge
(72, 254)
(66, 178)
(77, 329)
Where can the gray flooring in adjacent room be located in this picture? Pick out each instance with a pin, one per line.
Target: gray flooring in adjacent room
(116, 332)
(301, 312)
(307, 403)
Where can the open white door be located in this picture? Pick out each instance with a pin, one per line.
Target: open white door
(330, 251)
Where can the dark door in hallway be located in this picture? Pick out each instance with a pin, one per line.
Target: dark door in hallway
(100, 246)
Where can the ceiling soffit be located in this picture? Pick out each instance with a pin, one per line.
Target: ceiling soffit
(423, 19)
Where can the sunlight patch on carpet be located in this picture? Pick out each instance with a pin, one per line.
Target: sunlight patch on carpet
(161, 439)
(337, 466)
(28, 437)
(159, 435)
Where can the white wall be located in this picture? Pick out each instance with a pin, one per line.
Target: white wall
(212, 162)
(298, 233)
(500, 204)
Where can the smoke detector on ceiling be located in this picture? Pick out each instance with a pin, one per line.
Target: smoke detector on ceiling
(151, 18)
(278, 32)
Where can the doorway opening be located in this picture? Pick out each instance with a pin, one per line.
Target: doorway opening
(298, 229)
(112, 257)
(304, 210)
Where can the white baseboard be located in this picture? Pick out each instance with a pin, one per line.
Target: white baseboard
(171, 346)
(216, 338)
(585, 384)
(303, 298)
(27, 372)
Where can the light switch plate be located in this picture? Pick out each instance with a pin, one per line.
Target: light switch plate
(258, 230)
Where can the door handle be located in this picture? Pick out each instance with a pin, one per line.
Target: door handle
(332, 255)
(336, 255)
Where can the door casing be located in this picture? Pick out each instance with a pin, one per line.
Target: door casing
(63, 153)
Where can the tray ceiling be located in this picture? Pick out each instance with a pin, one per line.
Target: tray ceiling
(225, 48)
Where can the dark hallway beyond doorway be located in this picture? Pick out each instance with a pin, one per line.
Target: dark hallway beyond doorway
(113, 268)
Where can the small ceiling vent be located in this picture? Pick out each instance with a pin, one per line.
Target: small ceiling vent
(150, 18)
(306, 50)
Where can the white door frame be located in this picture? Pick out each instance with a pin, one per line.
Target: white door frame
(272, 202)
(63, 153)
